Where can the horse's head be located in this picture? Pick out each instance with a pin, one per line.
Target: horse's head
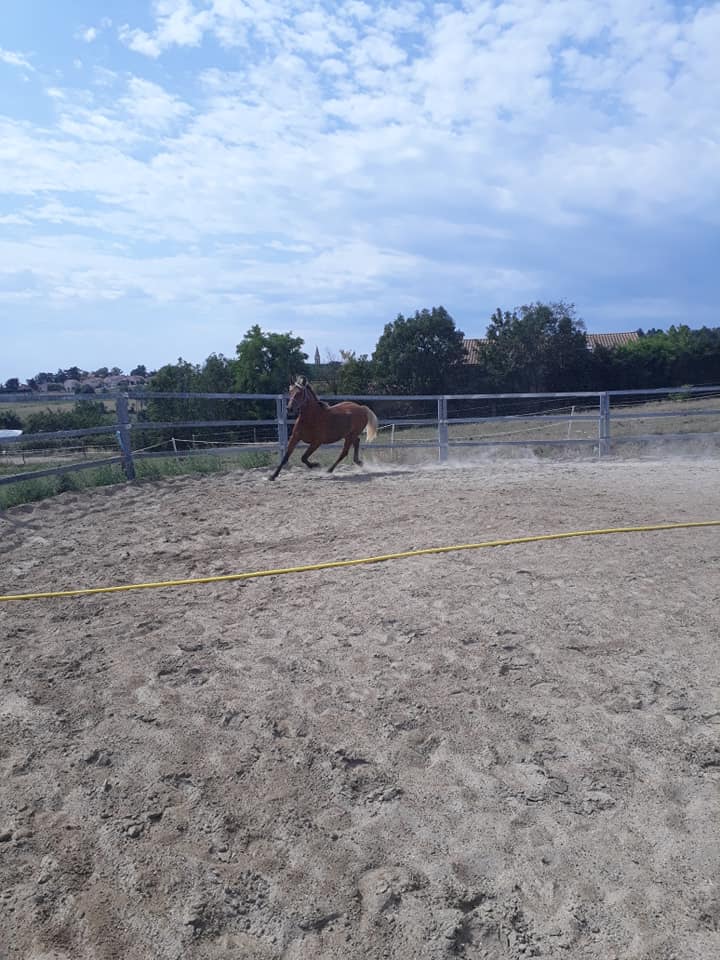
(299, 394)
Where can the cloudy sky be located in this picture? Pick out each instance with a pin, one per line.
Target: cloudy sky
(173, 171)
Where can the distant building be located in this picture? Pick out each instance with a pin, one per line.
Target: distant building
(106, 384)
(610, 340)
(594, 340)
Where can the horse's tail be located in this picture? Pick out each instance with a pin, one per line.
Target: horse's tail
(371, 428)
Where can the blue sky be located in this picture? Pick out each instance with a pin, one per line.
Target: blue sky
(173, 171)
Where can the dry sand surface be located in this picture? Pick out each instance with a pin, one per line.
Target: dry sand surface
(501, 753)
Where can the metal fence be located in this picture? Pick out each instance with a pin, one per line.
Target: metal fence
(599, 421)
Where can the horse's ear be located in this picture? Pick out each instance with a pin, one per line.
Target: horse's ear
(301, 381)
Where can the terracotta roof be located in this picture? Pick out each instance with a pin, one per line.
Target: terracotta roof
(610, 340)
(472, 350)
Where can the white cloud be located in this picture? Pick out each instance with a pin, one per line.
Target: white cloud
(348, 154)
(140, 41)
(91, 33)
(15, 59)
(359, 10)
(179, 23)
(551, 108)
(152, 106)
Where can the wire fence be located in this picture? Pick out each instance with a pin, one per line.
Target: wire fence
(182, 426)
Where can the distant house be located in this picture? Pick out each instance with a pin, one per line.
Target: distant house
(107, 384)
(610, 340)
(594, 340)
(123, 381)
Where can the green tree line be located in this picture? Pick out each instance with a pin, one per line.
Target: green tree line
(539, 347)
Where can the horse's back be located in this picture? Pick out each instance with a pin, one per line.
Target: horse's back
(344, 418)
(347, 406)
(328, 424)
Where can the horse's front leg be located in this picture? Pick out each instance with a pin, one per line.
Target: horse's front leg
(290, 447)
(306, 456)
(346, 447)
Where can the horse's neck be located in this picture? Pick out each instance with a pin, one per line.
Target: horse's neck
(313, 403)
(312, 407)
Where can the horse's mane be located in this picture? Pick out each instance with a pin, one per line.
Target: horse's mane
(315, 396)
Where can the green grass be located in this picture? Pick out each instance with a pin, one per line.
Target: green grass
(159, 469)
(53, 402)
(30, 491)
(9, 469)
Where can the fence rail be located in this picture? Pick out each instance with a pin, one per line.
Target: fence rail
(599, 419)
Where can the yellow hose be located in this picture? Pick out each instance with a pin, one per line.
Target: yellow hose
(331, 564)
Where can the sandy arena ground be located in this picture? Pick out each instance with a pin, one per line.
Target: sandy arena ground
(501, 753)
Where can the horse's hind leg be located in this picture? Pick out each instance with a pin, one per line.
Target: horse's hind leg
(356, 454)
(346, 447)
(306, 456)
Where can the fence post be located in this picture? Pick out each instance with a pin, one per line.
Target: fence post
(442, 429)
(604, 425)
(572, 414)
(281, 413)
(123, 436)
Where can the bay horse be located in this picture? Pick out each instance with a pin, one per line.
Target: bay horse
(318, 423)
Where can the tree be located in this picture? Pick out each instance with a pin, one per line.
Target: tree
(179, 377)
(420, 354)
(540, 348)
(90, 413)
(139, 371)
(217, 375)
(9, 420)
(330, 371)
(72, 373)
(356, 373)
(661, 358)
(12, 385)
(175, 377)
(266, 362)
